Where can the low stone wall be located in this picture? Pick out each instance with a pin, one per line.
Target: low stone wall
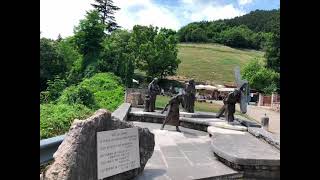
(131, 93)
(254, 172)
(151, 118)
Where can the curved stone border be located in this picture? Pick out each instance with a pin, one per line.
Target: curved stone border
(270, 138)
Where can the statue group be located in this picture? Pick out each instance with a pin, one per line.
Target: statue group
(187, 101)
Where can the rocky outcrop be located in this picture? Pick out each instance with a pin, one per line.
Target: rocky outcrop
(76, 157)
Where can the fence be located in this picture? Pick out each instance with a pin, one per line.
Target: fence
(48, 147)
(272, 101)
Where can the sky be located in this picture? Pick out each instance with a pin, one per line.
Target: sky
(60, 16)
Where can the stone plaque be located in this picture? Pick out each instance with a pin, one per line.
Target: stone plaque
(117, 151)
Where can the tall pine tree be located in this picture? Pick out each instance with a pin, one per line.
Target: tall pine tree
(106, 10)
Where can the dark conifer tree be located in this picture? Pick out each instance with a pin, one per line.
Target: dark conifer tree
(106, 10)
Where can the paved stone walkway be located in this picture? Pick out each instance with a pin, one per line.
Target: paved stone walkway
(182, 156)
(257, 113)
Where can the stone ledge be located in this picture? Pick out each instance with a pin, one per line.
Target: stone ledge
(270, 138)
(236, 126)
(248, 123)
(122, 112)
(244, 149)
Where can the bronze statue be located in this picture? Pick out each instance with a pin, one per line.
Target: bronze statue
(153, 91)
(229, 107)
(172, 116)
(189, 96)
(240, 95)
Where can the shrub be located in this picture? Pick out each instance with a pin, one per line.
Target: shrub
(78, 95)
(55, 88)
(55, 119)
(103, 90)
(260, 77)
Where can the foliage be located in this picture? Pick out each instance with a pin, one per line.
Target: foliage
(51, 62)
(260, 77)
(273, 53)
(258, 20)
(106, 10)
(89, 35)
(117, 56)
(155, 52)
(55, 119)
(78, 95)
(103, 90)
(247, 31)
(238, 36)
(55, 87)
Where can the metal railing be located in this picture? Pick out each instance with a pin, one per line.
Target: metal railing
(48, 147)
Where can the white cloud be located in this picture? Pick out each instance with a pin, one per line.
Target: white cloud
(244, 2)
(60, 16)
(210, 11)
(147, 14)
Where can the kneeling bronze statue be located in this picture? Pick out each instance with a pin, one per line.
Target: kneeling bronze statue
(172, 116)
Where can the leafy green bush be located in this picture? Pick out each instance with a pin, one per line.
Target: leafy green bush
(260, 77)
(55, 119)
(55, 88)
(78, 95)
(103, 90)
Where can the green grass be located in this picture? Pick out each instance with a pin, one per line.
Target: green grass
(55, 119)
(212, 62)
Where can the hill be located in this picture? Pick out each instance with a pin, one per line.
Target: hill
(258, 20)
(253, 30)
(211, 62)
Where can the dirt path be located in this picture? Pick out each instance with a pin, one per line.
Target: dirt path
(257, 113)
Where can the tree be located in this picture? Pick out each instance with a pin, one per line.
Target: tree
(117, 56)
(89, 35)
(260, 77)
(106, 10)
(59, 38)
(273, 53)
(155, 52)
(72, 58)
(51, 62)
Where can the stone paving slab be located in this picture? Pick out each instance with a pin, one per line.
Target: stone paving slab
(244, 149)
(181, 156)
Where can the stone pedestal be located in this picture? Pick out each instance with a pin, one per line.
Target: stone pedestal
(134, 99)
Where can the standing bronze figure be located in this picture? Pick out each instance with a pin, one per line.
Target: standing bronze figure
(172, 116)
(153, 91)
(189, 97)
(229, 107)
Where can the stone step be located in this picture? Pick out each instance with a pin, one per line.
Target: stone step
(244, 152)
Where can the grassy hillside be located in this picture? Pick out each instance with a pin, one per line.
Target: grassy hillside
(212, 62)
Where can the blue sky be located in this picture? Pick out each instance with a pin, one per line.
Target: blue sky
(60, 16)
